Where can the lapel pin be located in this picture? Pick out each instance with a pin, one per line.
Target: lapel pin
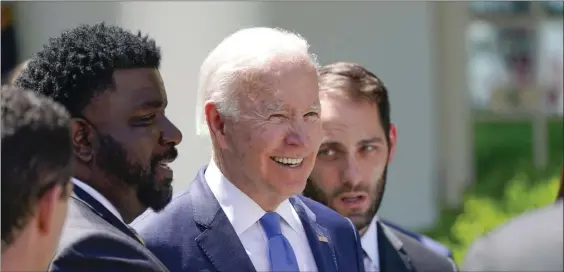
(322, 239)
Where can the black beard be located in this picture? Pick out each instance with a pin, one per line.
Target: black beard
(112, 159)
(360, 221)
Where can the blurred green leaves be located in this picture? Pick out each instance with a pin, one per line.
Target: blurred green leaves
(480, 214)
(506, 183)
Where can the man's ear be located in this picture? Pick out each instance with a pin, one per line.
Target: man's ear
(81, 135)
(393, 141)
(216, 124)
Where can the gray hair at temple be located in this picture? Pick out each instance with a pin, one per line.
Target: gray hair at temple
(238, 57)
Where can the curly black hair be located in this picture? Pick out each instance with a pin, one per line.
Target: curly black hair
(36, 152)
(78, 65)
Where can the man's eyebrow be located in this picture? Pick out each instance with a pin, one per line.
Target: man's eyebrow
(314, 107)
(151, 104)
(331, 144)
(274, 107)
(371, 141)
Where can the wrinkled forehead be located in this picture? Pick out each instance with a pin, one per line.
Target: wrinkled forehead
(276, 71)
(274, 89)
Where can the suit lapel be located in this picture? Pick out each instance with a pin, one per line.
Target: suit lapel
(218, 239)
(318, 238)
(99, 209)
(390, 249)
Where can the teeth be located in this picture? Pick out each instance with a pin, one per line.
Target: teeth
(289, 161)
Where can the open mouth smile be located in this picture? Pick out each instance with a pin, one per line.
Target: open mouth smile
(289, 162)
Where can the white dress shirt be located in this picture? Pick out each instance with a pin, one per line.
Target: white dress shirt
(244, 214)
(369, 242)
(98, 197)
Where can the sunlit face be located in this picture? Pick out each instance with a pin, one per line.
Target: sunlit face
(350, 171)
(275, 139)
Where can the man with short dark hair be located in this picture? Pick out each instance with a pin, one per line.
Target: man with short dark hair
(122, 141)
(36, 171)
(351, 166)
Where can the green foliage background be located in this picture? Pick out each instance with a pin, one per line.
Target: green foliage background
(506, 183)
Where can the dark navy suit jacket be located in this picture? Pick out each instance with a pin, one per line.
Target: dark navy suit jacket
(399, 252)
(424, 240)
(93, 239)
(194, 234)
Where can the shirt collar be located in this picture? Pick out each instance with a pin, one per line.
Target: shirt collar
(369, 242)
(98, 197)
(241, 210)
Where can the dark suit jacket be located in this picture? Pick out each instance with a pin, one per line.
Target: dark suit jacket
(424, 240)
(93, 239)
(194, 234)
(531, 242)
(399, 252)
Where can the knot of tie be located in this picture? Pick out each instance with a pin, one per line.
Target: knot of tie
(271, 224)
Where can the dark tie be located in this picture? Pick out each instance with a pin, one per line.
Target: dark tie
(137, 235)
(280, 252)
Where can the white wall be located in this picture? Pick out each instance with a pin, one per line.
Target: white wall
(393, 39)
(456, 146)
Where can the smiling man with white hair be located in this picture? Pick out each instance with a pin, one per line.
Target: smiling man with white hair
(259, 104)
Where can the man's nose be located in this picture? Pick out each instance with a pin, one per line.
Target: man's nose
(351, 173)
(297, 135)
(171, 134)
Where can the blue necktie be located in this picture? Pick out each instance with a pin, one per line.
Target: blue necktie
(280, 252)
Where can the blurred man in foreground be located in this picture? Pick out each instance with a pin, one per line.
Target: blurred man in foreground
(350, 171)
(244, 211)
(108, 79)
(531, 242)
(36, 171)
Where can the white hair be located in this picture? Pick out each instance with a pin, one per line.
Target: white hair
(239, 53)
